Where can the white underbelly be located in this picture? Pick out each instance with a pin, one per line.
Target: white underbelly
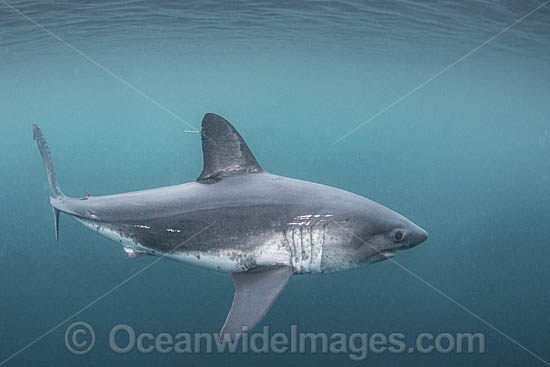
(130, 245)
(271, 252)
(218, 261)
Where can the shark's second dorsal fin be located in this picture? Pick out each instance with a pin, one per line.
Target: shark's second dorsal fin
(224, 151)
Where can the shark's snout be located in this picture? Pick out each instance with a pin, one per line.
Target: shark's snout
(418, 235)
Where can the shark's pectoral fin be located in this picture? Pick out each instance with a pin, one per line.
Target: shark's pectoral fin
(255, 292)
(224, 151)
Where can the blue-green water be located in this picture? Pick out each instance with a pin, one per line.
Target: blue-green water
(466, 156)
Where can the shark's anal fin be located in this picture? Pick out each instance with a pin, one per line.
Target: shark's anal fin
(224, 151)
(255, 292)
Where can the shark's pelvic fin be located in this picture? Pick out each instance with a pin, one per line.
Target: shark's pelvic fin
(255, 292)
(224, 151)
(133, 253)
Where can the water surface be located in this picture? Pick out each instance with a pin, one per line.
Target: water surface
(114, 85)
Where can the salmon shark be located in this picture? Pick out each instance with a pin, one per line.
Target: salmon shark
(240, 219)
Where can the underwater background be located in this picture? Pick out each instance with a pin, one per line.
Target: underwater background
(459, 143)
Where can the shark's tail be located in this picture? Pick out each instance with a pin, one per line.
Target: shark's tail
(55, 191)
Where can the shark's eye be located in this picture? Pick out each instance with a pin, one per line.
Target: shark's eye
(398, 235)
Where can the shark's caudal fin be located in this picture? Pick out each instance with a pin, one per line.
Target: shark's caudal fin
(55, 191)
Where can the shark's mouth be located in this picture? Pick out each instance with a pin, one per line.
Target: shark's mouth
(387, 254)
(381, 256)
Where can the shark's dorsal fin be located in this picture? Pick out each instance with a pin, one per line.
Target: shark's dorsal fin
(224, 151)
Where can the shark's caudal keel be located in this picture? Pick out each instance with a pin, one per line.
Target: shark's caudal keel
(238, 218)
